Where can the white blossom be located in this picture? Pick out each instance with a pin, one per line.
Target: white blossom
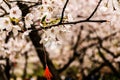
(15, 12)
(15, 29)
(26, 33)
(1, 1)
(117, 59)
(5, 23)
(28, 20)
(103, 8)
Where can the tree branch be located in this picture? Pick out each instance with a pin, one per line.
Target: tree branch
(74, 22)
(110, 52)
(35, 38)
(62, 15)
(2, 74)
(7, 3)
(68, 63)
(76, 54)
(108, 63)
(66, 23)
(94, 71)
(94, 10)
(26, 65)
(23, 1)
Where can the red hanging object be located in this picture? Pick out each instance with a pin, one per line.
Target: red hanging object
(47, 73)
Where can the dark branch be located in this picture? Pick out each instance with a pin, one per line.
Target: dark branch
(4, 14)
(3, 9)
(94, 71)
(68, 63)
(2, 74)
(26, 63)
(35, 38)
(67, 23)
(77, 42)
(7, 68)
(63, 11)
(7, 3)
(36, 4)
(94, 10)
(74, 22)
(108, 63)
(23, 1)
(110, 52)
(76, 54)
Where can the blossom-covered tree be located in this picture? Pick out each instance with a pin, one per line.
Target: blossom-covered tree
(59, 39)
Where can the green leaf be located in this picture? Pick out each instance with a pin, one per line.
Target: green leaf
(43, 19)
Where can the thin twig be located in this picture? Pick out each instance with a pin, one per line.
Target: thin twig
(77, 41)
(94, 10)
(74, 22)
(67, 23)
(7, 3)
(96, 70)
(4, 14)
(23, 1)
(62, 15)
(110, 52)
(3, 9)
(108, 63)
(76, 54)
(26, 63)
(36, 4)
(2, 74)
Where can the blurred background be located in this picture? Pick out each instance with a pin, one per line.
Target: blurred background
(83, 51)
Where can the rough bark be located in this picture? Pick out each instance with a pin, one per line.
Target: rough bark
(35, 38)
(2, 74)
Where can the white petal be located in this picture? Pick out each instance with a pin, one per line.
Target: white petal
(15, 12)
(15, 32)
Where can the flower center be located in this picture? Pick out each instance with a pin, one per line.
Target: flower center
(14, 12)
(6, 22)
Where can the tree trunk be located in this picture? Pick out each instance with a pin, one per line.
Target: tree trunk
(35, 38)
(2, 74)
(7, 68)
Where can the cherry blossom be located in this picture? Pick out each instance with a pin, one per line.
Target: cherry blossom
(15, 29)
(59, 40)
(1, 1)
(5, 23)
(15, 12)
(28, 20)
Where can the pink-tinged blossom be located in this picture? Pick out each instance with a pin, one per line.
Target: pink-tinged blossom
(15, 12)
(15, 30)
(28, 20)
(1, 1)
(117, 59)
(5, 23)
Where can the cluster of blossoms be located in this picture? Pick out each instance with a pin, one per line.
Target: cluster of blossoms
(46, 14)
(8, 22)
(43, 15)
(58, 39)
